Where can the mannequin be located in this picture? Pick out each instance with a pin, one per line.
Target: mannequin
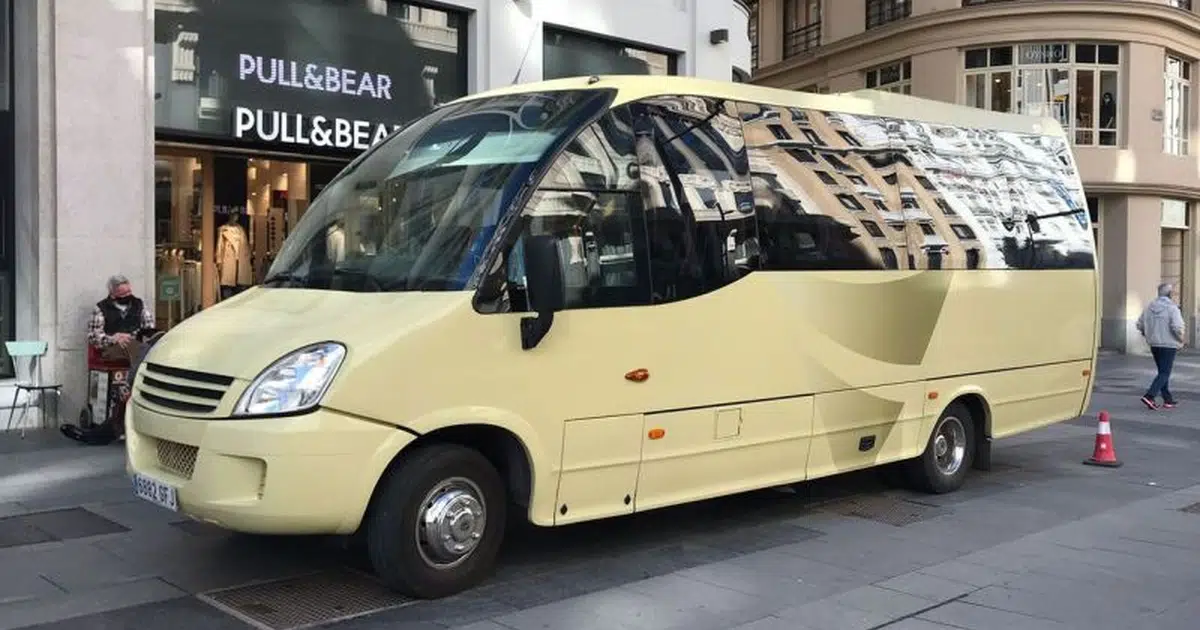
(335, 242)
(233, 257)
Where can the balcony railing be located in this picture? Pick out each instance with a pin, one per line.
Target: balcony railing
(801, 40)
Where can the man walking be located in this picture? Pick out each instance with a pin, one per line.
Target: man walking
(1162, 326)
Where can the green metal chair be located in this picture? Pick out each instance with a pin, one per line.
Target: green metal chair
(26, 358)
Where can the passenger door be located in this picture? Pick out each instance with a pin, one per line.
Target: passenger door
(710, 450)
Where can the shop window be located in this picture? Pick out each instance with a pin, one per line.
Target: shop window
(1077, 84)
(892, 77)
(572, 54)
(1177, 105)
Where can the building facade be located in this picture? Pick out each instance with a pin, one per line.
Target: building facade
(178, 141)
(1115, 73)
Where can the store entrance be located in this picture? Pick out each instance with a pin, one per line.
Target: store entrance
(220, 219)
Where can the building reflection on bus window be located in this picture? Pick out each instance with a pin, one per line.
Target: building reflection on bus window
(668, 198)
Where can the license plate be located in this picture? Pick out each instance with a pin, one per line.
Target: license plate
(155, 492)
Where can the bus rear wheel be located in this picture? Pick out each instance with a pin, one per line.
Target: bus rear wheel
(949, 453)
(437, 523)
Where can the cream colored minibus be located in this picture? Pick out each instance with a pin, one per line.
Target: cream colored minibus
(598, 296)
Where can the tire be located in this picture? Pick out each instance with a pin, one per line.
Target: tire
(934, 475)
(408, 489)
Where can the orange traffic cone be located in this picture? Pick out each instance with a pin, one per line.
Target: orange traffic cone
(1104, 454)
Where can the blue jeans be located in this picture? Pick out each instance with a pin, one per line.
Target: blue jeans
(1164, 358)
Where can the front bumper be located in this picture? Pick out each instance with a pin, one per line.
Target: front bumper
(309, 474)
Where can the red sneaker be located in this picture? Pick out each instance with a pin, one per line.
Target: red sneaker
(1169, 405)
(1149, 403)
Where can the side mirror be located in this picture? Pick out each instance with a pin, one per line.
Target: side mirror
(544, 286)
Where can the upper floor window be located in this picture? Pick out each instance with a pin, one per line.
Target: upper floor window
(801, 26)
(880, 12)
(1178, 79)
(1076, 84)
(752, 25)
(892, 77)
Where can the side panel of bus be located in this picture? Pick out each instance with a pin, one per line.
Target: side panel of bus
(804, 292)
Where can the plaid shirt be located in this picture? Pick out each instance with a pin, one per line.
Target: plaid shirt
(95, 332)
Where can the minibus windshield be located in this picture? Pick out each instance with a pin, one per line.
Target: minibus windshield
(416, 212)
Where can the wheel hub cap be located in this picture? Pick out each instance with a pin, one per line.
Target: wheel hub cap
(451, 523)
(950, 445)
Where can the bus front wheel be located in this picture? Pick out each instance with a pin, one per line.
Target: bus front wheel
(437, 522)
(948, 454)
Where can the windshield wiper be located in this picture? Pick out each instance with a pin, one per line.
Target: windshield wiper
(358, 273)
(286, 277)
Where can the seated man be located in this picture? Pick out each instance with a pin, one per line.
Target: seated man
(117, 319)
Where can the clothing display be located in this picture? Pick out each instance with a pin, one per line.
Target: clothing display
(335, 244)
(190, 281)
(233, 256)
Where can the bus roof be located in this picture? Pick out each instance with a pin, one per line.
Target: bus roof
(865, 102)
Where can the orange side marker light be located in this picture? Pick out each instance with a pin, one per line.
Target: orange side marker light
(637, 376)
(656, 434)
(932, 395)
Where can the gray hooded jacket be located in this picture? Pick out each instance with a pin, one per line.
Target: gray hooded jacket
(1162, 324)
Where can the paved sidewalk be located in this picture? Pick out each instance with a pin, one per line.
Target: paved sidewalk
(1039, 542)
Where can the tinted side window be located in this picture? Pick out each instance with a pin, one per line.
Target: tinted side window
(1006, 200)
(825, 213)
(699, 144)
(591, 201)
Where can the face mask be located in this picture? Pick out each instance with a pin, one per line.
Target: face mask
(124, 301)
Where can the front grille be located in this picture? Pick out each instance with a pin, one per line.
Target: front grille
(177, 458)
(177, 389)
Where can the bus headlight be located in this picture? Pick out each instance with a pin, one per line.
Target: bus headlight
(295, 383)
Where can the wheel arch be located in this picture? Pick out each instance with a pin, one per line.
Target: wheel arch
(976, 402)
(504, 439)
